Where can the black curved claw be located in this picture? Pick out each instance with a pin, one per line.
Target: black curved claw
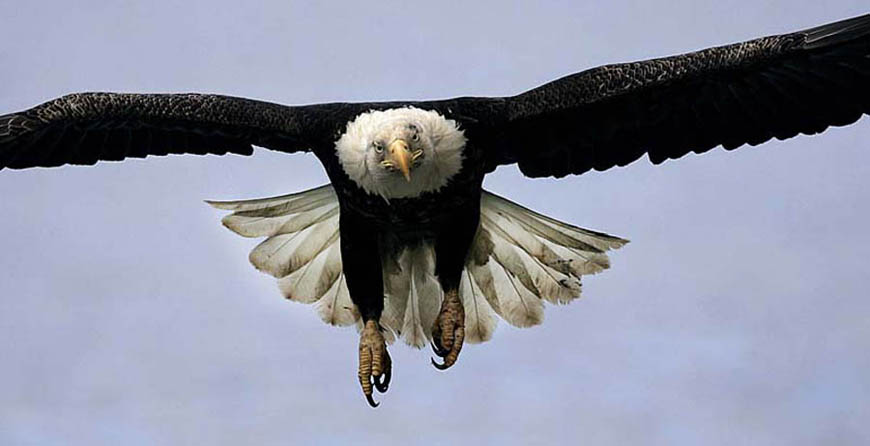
(383, 383)
(439, 366)
(440, 351)
(372, 401)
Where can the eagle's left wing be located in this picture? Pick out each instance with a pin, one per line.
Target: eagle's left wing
(773, 87)
(84, 128)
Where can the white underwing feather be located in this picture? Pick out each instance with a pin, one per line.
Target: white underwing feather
(335, 307)
(289, 201)
(522, 258)
(578, 262)
(558, 232)
(282, 254)
(285, 214)
(309, 283)
(507, 296)
(480, 319)
(268, 226)
(505, 228)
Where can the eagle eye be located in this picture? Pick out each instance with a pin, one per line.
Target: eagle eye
(378, 146)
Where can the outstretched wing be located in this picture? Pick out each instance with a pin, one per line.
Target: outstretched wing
(609, 116)
(773, 87)
(88, 127)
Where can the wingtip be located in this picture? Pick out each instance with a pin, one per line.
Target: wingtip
(837, 32)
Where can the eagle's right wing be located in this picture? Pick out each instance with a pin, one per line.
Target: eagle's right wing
(745, 93)
(85, 128)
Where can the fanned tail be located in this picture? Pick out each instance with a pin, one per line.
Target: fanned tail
(518, 260)
(413, 296)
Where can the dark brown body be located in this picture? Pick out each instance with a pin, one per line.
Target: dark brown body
(374, 229)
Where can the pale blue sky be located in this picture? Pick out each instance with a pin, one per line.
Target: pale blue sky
(738, 314)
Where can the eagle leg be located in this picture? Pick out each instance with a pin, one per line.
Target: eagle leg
(375, 365)
(448, 332)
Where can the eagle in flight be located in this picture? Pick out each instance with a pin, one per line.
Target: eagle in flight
(404, 243)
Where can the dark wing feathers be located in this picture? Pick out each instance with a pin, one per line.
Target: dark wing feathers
(747, 93)
(89, 127)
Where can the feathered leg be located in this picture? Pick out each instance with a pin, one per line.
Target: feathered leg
(451, 249)
(362, 269)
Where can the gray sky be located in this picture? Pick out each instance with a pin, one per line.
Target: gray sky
(128, 315)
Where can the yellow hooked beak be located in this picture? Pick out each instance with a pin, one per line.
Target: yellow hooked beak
(401, 157)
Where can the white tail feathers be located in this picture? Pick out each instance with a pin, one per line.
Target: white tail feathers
(519, 258)
(412, 296)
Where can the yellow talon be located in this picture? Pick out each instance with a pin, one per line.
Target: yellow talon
(374, 362)
(448, 333)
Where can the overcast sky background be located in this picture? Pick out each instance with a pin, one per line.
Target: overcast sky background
(739, 314)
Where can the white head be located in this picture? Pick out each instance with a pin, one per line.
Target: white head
(401, 152)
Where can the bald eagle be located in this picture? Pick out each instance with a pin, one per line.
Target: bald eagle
(404, 243)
